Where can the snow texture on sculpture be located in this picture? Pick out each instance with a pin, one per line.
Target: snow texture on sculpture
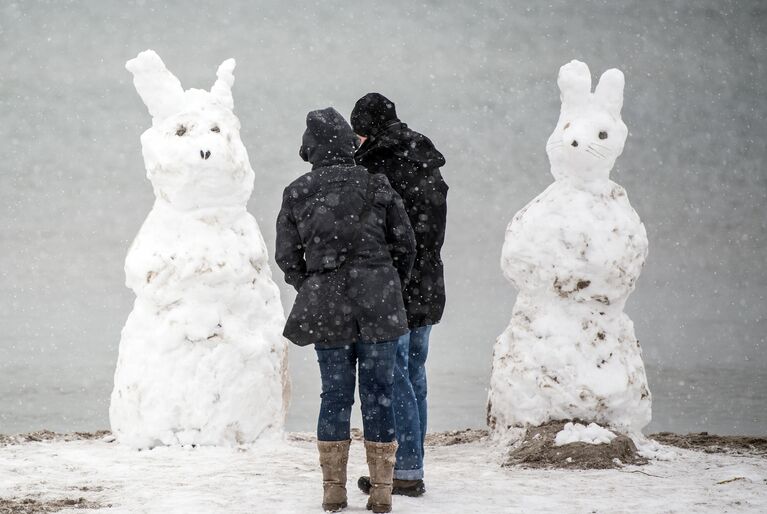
(574, 253)
(202, 359)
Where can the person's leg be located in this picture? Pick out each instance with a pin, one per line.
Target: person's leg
(406, 418)
(337, 370)
(418, 351)
(376, 385)
(376, 362)
(338, 374)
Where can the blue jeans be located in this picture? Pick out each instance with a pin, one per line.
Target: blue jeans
(338, 369)
(410, 402)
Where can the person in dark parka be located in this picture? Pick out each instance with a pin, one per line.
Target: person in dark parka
(345, 243)
(411, 163)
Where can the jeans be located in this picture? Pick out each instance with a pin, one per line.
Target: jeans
(338, 369)
(410, 402)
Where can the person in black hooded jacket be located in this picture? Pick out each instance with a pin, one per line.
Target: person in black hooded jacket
(411, 163)
(345, 243)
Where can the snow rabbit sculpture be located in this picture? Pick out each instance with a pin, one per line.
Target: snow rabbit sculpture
(202, 359)
(574, 253)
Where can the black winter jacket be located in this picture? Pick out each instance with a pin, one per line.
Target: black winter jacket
(411, 163)
(349, 276)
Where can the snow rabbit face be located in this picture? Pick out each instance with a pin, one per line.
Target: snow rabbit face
(193, 152)
(590, 134)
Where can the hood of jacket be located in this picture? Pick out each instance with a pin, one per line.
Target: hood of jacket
(398, 139)
(328, 139)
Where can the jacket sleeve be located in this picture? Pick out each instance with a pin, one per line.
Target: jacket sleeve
(428, 214)
(289, 252)
(400, 237)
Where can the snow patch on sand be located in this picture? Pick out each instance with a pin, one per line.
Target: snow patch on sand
(578, 433)
(650, 449)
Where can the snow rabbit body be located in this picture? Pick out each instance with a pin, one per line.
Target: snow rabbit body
(202, 359)
(574, 253)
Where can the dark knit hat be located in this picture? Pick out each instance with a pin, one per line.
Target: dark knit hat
(372, 113)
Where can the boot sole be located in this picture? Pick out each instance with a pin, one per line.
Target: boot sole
(413, 492)
(334, 507)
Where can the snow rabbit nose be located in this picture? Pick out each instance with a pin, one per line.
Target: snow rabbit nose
(205, 155)
(574, 143)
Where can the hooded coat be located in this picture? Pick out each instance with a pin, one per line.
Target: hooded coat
(411, 163)
(344, 242)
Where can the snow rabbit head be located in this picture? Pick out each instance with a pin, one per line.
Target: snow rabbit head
(590, 133)
(193, 152)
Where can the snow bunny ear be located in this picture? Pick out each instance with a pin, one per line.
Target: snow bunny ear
(609, 91)
(160, 90)
(574, 83)
(222, 89)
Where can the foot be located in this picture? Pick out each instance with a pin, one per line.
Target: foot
(412, 488)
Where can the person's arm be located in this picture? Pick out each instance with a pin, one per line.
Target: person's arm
(400, 237)
(289, 253)
(429, 215)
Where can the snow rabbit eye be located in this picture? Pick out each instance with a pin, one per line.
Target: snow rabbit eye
(181, 130)
(603, 135)
(215, 129)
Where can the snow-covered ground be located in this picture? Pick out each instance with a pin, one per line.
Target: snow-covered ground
(282, 476)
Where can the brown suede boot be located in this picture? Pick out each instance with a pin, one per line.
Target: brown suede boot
(381, 459)
(334, 455)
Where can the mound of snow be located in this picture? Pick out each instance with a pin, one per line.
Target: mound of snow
(578, 433)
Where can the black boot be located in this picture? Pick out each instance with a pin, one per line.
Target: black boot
(412, 488)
